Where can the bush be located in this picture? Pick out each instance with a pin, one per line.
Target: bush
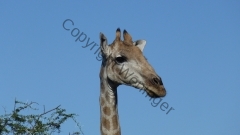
(46, 123)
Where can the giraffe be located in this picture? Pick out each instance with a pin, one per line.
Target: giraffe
(118, 57)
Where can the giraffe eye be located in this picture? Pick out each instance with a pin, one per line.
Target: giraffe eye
(120, 59)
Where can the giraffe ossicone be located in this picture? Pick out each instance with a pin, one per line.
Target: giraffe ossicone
(118, 57)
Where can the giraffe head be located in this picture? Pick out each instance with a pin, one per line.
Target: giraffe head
(124, 63)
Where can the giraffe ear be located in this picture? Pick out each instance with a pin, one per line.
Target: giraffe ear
(103, 44)
(140, 44)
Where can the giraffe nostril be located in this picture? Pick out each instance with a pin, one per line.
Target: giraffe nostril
(157, 81)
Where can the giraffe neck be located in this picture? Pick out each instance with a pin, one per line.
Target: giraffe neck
(108, 108)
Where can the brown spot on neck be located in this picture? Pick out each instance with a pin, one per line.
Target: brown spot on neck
(115, 122)
(105, 123)
(107, 111)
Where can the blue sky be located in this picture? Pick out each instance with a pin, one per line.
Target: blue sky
(194, 46)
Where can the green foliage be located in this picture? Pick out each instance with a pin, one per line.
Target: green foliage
(46, 123)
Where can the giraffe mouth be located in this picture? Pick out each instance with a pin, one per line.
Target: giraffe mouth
(155, 93)
(152, 94)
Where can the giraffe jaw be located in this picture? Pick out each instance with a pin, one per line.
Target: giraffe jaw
(151, 91)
